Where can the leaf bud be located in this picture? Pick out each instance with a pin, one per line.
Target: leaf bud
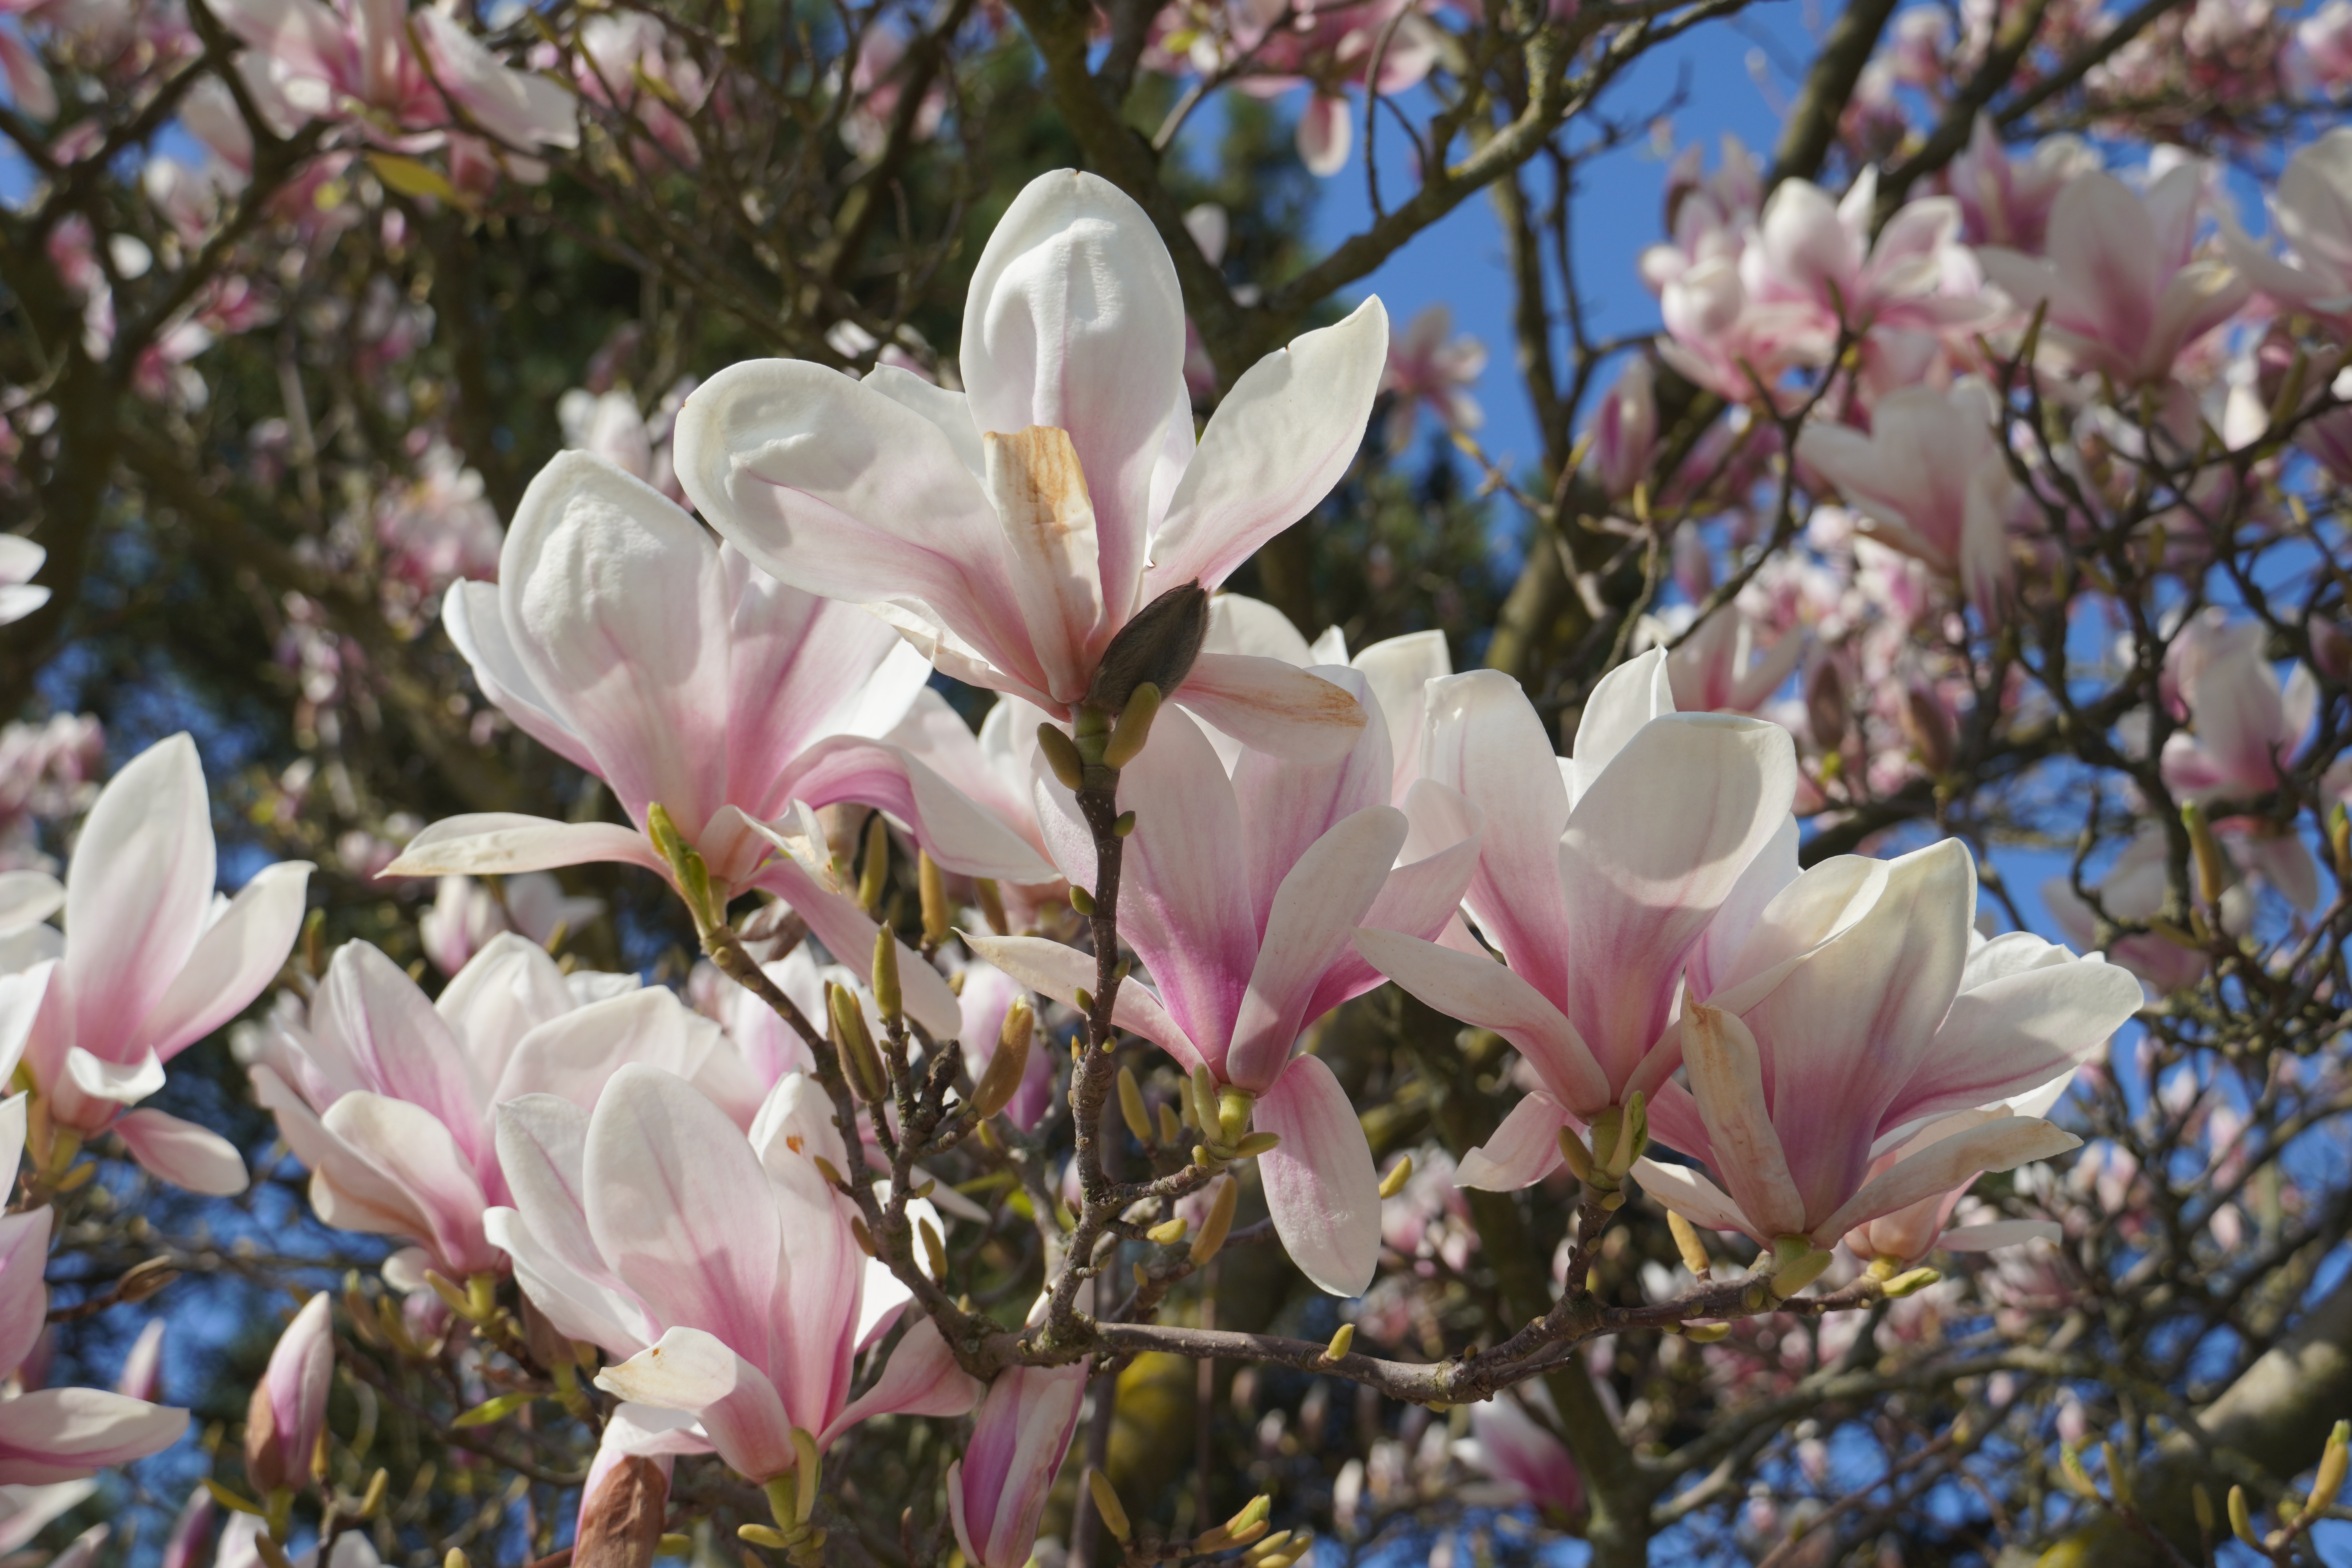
(1131, 1108)
(874, 870)
(861, 1063)
(1002, 1077)
(1106, 1504)
(1687, 1243)
(1134, 727)
(2241, 1521)
(1062, 755)
(1220, 1220)
(888, 999)
(1341, 1342)
(938, 915)
(1169, 1232)
(1393, 1183)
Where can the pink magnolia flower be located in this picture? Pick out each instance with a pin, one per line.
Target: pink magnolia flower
(1929, 480)
(2319, 61)
(54, 1434)
(2134, 889)
(438, 527)
(391, 72)
(1831, 1012)
(1011, 530)
(2311, 211)
(288, 1413)
(1240, 895)
(1730, 664)
(20, 558)
(620, 53)
(152, 961)
(2126, 286)
(2005, 200)
(683, 676)
(1329, 47)
(30, 92)
(1624, 430)
(2245, 725)
(389, 1096)
(1596, 877)
(1429, 365)
(876, 91)
(1524, 1464)
(723, 1270)
(143, 1369)
(997, 1490)
(1820, 254)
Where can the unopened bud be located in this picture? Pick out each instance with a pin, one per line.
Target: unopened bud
(2333, 1463)
(1169, 1232)
(145, 1279)
(1393, 1183)
(1201, 1108)
(1234, 1108)
(1106, 1504)
(1706, 1333)
(1082, 902)
(1002, 1077)
(1171, 1130)
(2077, 1479)
(1131, 1108)
(805, 1475)
(1687, 1243)
(1929, 726)
(1122, 825)
(938, 915)
(621, 1524)
(863, 1236)
(935, 1251)
(874, 869)
(861, 1063)
(1905, 1284)
(2200, 1502)
(1578, 1158)
(1257, 1143)
(1134, 727)
(1062, 755)
(1156, 647)
(1341, 1342)
(991, 905)
(2210, 877)
(1801, 1270)
(888, 999)
(1220, 1220)
(2241, 1521)
(2118, 1482)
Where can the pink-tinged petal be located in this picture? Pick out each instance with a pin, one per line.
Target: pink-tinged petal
(505, 991)
(2110, 271)
(1268, 706)
(1619, 706)
(997, 1493)
(194, 1158)
(1315, 915)
(90, 1077)
(1039, 492)
(1727, 1078)
(1238, 624)
(574, 1056)
(680, 1206)
(2000, 1145)
(64, 1434)
(1422, 897)
(143, 1369)
(1852, 1025)
(617, 603)
(24, 1510)
(542, 1151)
(1516, 1449)
(1075, 320)
(801, 668)
(1654, 846)
(1743, 964)
(1052, 970)
(961, 836)
(138, 888)
(817, 1311)
(921, 1378)
(2199, 297)
(348, 1189)
(934, 734)
(2016, 1032)
(488, 842)
(1804, 243)
(1184, 893)
(405, 1146)
(840, 490)
(1273, 448)
(518, 107)
(24, 1292)
(2000, 1233)
(1485, 740)
(1693, 1196)
(300, 35)
(233, 961)
(1480, 991)
(1325, 134)
(371, 1018)
(470, 614)
(848, 933)
(1520, 1153)
(1398, 670)
(1320, 1185)
(293, 1391)
(1287, 806)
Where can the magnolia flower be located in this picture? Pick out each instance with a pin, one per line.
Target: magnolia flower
(1913, 274)
(1624, 429)
(1905, 1236)
(1019, 1438)
(1239, 896)
(389, 1096)
(2134, 889)
(1726, 666)
(1524, 1464)
(1329, 47)
(2311, 211)
(54, 1435)
(2245, 725)
(2126, 287)
(1430, 365)
(143, 1369)
(390, 71)
(466, 914)
(1831, 1012)
(684, 677)
(289, 1412)
(151, 962)
(1011, 530)
(2005, 200)
(722, 1272)
(20, 558)
(1930, 479)
(1596, 877)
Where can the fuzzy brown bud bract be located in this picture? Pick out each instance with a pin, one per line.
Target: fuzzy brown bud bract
(621, 1524)
(1156, 647)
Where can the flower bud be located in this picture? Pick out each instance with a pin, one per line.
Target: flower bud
(1106, 1503)
(1131, 1108)
(874, 870)
(1019, 1435)
(1214, 1228)
(621, 1516)
(288, 1413)
(861, 1063)
(1156, 648)
(888, 999)
(938, 915)
(1002, 1077)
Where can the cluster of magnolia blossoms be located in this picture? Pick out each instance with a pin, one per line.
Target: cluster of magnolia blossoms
(1838, 1046)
